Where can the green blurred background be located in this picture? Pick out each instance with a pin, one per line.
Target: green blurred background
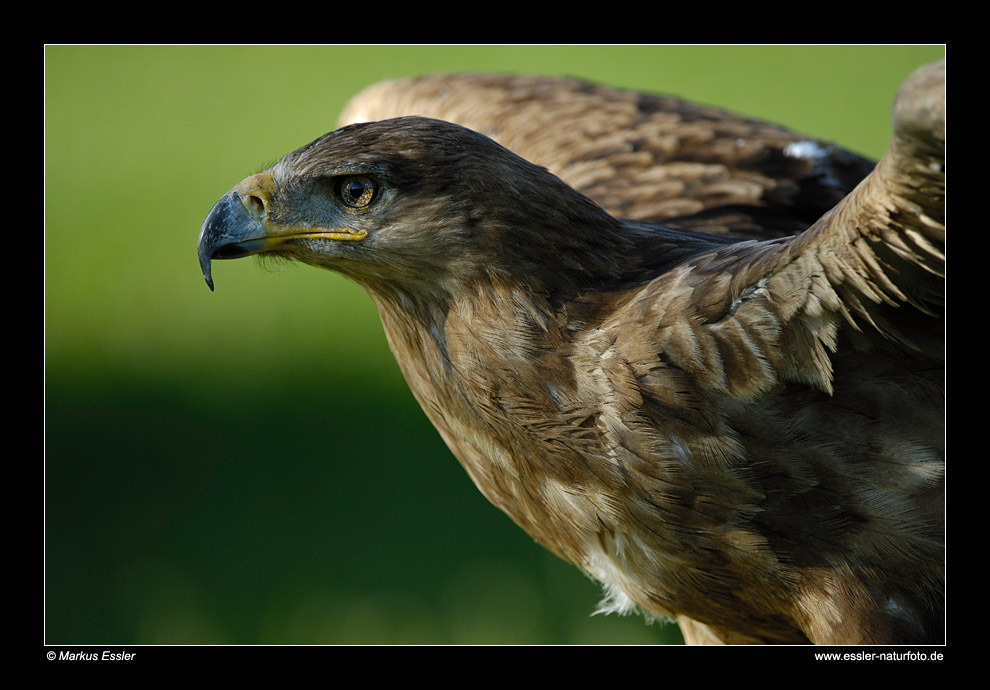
(248, 466)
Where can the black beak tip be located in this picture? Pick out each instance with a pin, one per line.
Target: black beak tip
(205, 261)
(208, 237)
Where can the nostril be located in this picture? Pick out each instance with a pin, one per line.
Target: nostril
(255, 193)
(256, 205)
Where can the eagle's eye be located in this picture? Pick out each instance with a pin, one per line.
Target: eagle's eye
(356, 191)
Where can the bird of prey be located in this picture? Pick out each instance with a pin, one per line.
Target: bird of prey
(696, 355)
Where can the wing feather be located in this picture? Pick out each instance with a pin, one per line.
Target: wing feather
(644, 157)
(876, 262)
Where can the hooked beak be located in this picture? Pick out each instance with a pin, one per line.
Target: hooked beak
(239, 225)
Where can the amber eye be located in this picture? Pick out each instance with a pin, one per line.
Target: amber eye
(357, 191)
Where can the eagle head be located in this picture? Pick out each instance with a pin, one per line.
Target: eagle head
(413, 203)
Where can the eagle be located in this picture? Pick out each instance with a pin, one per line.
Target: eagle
(697, 355)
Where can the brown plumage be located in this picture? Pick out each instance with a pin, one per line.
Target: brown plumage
(744, 436)
(640, 156)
